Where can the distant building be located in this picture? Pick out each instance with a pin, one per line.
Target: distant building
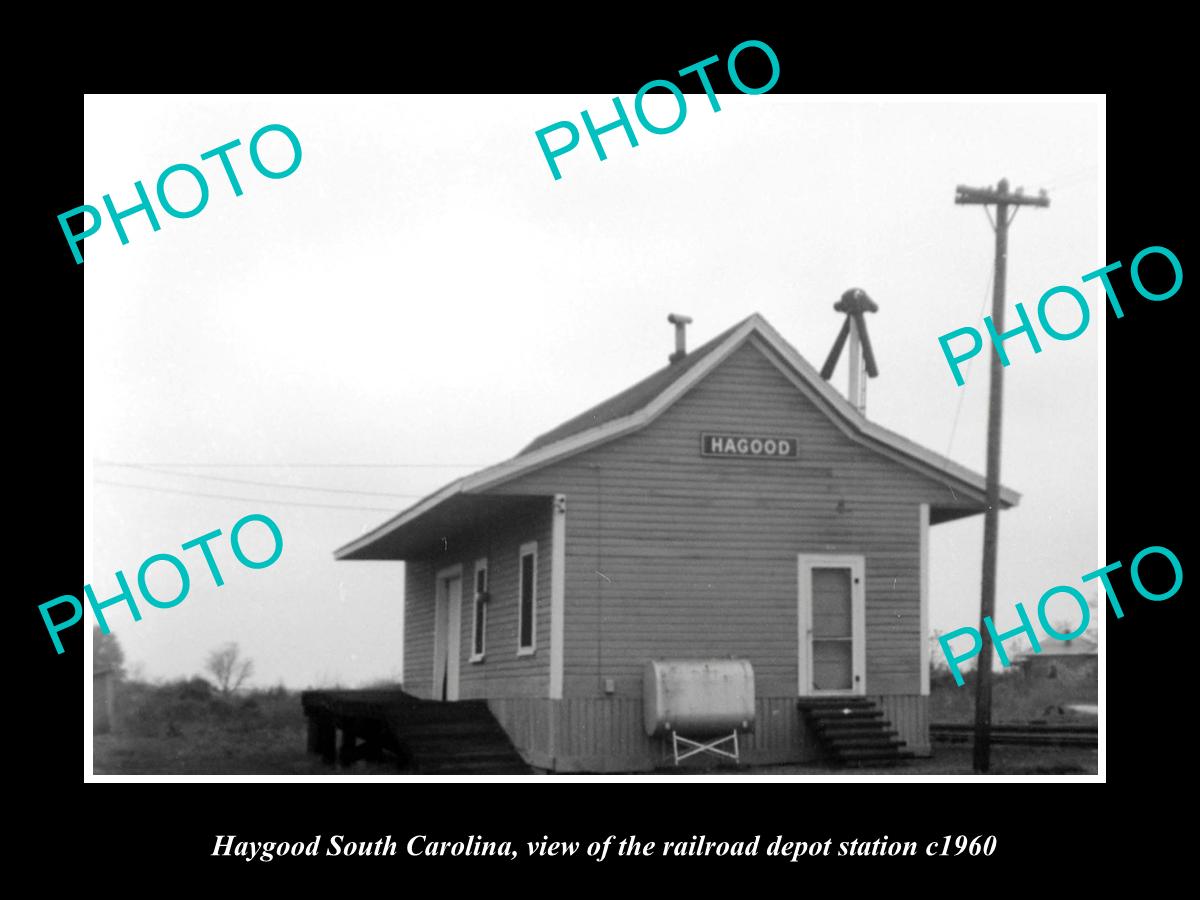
(1077, 657)
(732, 504)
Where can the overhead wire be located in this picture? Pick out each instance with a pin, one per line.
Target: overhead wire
(963, 391)
(162, 490)
(269, 484)
(245, 465)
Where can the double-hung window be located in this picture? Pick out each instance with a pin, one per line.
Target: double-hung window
(527, 599)
(479, 612)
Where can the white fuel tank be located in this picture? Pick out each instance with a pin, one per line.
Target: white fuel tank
(698, 696)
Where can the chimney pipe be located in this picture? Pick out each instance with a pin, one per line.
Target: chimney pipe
(681, 323)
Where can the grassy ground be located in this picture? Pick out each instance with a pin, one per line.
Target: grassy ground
(956, 760)
(186, 729)
(205, 750)
(1015, 698)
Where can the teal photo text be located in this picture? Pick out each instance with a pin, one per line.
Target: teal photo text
(125, 596)
(184, 172)
(1164, 557)
(568, 140)
(1166, 268)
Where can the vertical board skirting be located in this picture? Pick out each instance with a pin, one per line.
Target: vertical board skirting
(909, 715)
(607, 734)
(604, 734)
(779, 734)
(527, 722)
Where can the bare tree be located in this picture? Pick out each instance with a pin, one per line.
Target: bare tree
(229, 668)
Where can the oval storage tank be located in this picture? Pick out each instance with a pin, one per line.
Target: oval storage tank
(698, 696)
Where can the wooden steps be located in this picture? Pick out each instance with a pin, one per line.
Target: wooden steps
(428, 737)
(852, 731)
(460, 738)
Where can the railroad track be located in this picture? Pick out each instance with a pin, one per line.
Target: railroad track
(1029, 735)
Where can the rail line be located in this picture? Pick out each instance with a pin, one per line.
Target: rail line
(1031, 734)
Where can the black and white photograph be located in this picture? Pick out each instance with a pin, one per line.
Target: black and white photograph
(526, 436)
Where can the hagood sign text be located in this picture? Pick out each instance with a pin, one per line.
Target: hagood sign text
(748, 446)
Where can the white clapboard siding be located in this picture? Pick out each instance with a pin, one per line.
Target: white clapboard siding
(671, 554)
(502, 673)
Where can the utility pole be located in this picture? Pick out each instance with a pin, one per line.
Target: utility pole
(1002, 200)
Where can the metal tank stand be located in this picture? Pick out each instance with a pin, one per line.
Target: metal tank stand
(692, 748)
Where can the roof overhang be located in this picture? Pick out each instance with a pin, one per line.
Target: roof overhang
(966, 491)
(437, 527)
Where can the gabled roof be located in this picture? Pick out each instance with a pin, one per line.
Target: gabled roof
(641, 404)
(634, 398)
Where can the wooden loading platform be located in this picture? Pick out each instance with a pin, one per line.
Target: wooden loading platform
(426, 737)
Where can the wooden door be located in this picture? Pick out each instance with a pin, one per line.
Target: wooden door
(832, 657)
(447, 633)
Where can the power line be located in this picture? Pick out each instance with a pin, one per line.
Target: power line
(176, 465)
(270, 484)
(967, 370)
(146, 487)
(1072, 179)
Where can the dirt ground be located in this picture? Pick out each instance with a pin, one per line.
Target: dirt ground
(956, 760)
(282, 752)
(183, 729)
(207, 751)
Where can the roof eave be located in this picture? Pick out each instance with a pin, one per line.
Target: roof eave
(493, 476)
(402, 518)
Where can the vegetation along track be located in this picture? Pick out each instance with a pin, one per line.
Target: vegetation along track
(1032, 734)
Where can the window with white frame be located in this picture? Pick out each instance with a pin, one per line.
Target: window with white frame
(479, 613)
(527, 599)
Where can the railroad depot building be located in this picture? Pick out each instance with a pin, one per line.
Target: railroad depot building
(731, 505)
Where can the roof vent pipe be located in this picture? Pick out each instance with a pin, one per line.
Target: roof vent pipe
(681, 323)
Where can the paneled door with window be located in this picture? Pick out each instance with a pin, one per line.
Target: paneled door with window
(832, 652)
(447, 631)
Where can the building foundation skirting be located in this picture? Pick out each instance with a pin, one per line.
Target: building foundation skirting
(607, 734)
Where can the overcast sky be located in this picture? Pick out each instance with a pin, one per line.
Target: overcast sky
(421, 298)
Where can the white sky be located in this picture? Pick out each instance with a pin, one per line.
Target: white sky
(421, 291)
